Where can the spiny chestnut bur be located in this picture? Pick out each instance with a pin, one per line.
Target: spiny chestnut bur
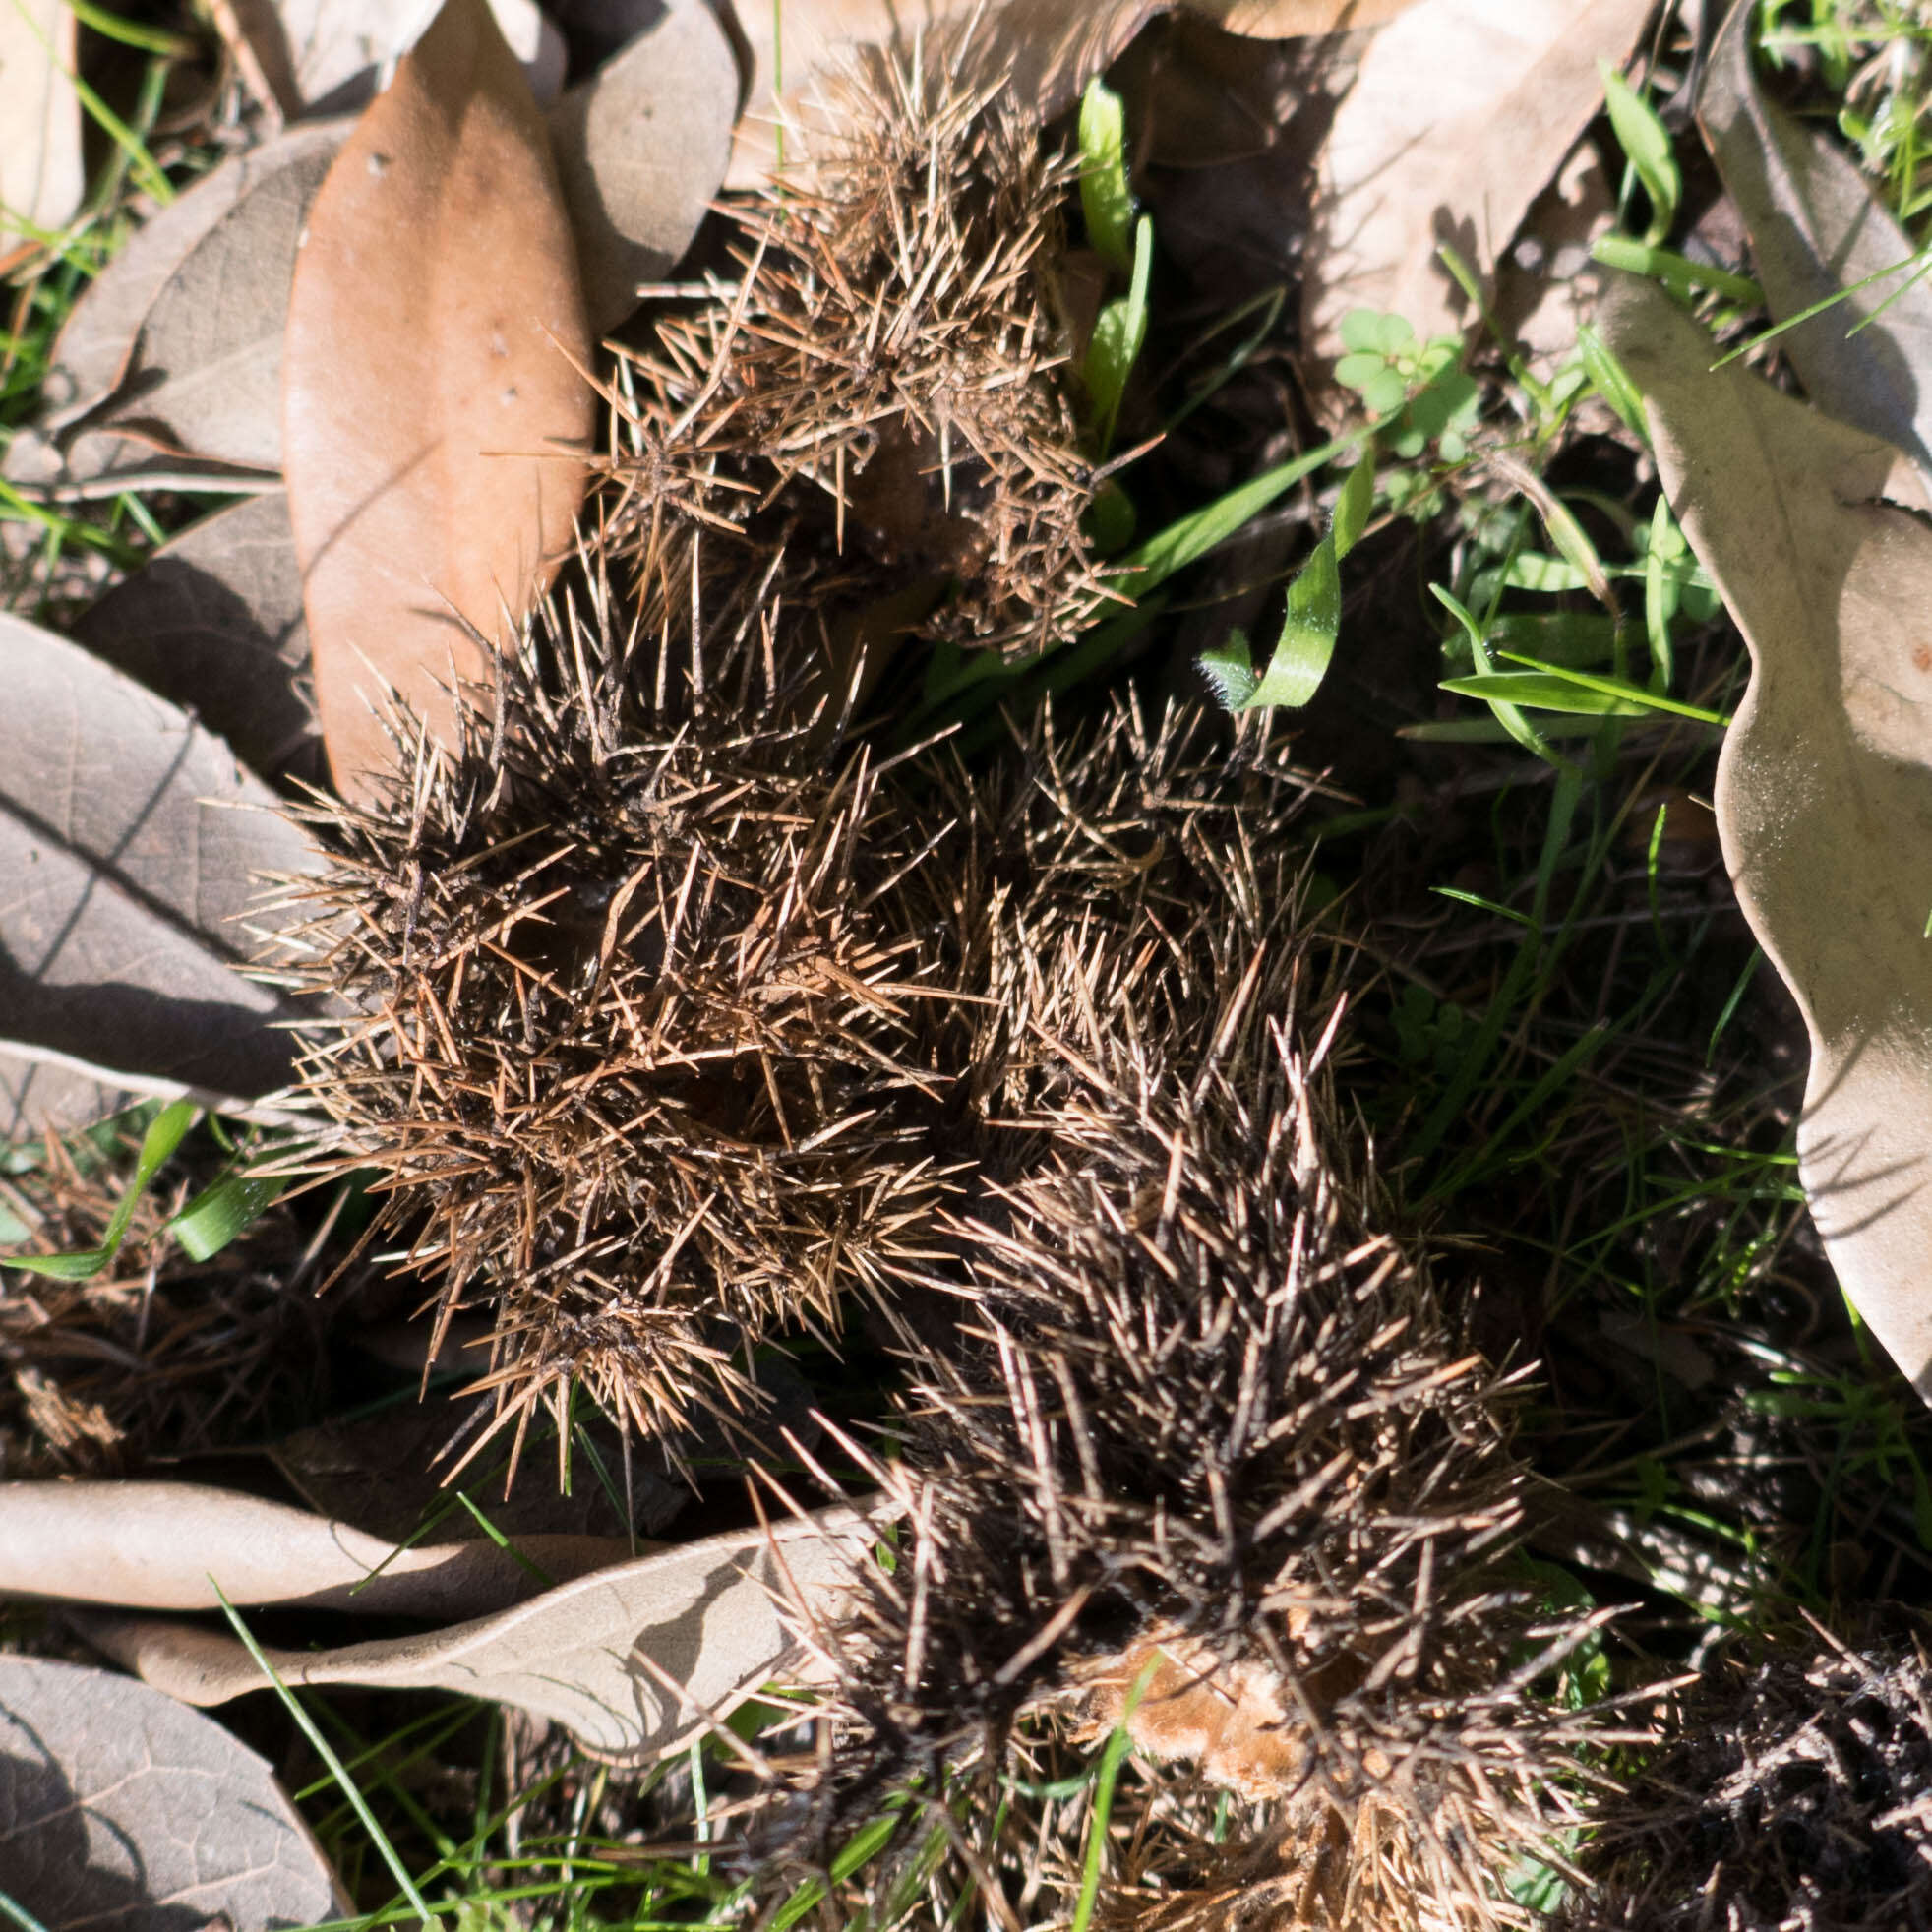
(630, 1011)
(883, 390)
(1791, 1795)
(1206, 1459)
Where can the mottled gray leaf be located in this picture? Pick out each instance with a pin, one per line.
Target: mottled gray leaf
(640, 151)
(132, 844)
(1816, 228)
(94, 342)
(214, 623)
(122, 1812)
(205, 375)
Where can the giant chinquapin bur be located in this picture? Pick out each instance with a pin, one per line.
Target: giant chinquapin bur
(627, 1050)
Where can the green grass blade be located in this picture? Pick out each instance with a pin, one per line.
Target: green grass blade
(326, 1752)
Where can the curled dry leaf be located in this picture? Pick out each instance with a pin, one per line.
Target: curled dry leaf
(133, 845)
(1046, 50)
(41, 174)
(1461, 113)
(435, 417)
(1817, 229)
(123, 1809)
(640, 151)
(600, 1655)
(166, 1546)
(213, 621)
(1824, 792)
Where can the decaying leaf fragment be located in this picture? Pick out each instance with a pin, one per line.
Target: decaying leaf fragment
(1460, 116)
(122, 1809)
(1824, 792)
(435, 419)
(133, 847)
(632, 1660)
(1817, 229)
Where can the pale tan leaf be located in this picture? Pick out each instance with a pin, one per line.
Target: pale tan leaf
(1044, 51)
(1824, 792)
(96, 341)
(214, 620)
(1816, 228)
(593, 1655)
(167, 1545)
(640, 151)
(1460, 116)
(42, 175)
(435, 417)
(122, 1809)
(132, 845)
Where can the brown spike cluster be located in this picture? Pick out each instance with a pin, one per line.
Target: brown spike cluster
(882, 394)
(1795, 1795)
(1205, 1456)
(631, 1011)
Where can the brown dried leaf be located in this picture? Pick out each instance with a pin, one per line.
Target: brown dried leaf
(430, 383)
(42, 175)
(640, 151)
(705, 1615)
(156, 1546)
(1046, 50)
(124, 1809)
(214, 623)
(1817, 229)
(1461, 114)
(1824, 792)
(132, 845)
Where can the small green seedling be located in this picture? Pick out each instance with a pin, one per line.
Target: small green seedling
(1646, 144)
(1312, 620)
(1119, 336)
(1106, 199)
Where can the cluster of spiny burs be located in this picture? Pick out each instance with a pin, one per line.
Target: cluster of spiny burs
(1191, 1451)
(679, 1019)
